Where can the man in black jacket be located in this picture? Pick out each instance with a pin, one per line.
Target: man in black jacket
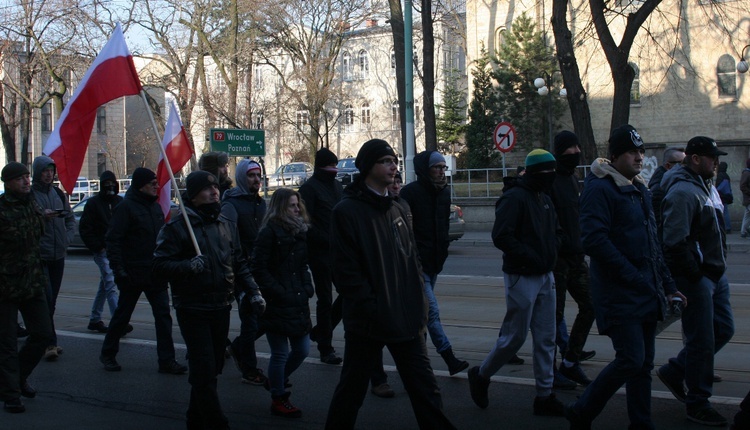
(217, 164)
(203, 288)
(130, 240)
(430, 201)
(93, 227)
(378, 277)
(672, 157)
(321, 193)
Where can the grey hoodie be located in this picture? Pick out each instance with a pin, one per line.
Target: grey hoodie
(58, 232)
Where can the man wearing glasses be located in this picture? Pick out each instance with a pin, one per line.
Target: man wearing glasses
(131, 240)
(430, 201)
(695, 251)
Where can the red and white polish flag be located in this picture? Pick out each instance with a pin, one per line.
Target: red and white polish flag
(111, 76)
(178, 149)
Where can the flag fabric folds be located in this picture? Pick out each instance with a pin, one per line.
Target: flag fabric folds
(111, 76)
(178, 149)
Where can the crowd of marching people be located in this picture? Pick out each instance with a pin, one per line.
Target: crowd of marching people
(657, 253)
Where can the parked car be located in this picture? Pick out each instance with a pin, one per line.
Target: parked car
(83, 189)
(456, 225)
(346, 171)
(290, 175)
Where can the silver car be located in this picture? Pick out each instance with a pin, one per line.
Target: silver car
(290, 175)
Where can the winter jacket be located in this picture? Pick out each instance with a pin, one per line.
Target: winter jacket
(657, 195)
(526, 230)
(21, 229)
(131, 238)
(95, 219)
(430, 209)
(378, 274)
(564, 194)
(724, 184)
(279, 265)
(320, 193)
(693, 239)
(58, 231)
(628, 276)
(227, 270)
(745, 187)
(245, 209)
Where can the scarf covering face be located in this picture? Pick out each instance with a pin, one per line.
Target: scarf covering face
(293, 225)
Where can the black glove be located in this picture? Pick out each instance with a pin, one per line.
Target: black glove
(121, 278)
(198, 264)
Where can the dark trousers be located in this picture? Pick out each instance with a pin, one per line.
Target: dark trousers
(17, 365)
(572, 276)
(205, 333)
(244, 344)
(158, 298)
(360, 358)
(378, 375)
(327, 311)
(742, 418)
(54, 270)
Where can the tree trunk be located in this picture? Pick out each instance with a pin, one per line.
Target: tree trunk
(428, 81)
(7, 130)
(397, 28)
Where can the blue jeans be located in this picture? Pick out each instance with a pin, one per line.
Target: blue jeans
(634, 358)
(707, 324)
(107, 288)
(283, 361)
(434, 326)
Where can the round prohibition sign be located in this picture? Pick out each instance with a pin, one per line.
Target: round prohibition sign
(504, 137)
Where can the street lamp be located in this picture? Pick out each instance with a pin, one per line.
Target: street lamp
(544, 85)
(742, 66)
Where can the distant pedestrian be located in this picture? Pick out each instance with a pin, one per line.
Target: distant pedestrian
(379, 279)
(527, 231)
(745, 189)
(131, 240)
(93, 228)
(672, 157)
(203, 288)
(217, 163)
(22, 286)
(59, 228)
(724, 187)
(630, 284)
(429, 200)
(279, 265)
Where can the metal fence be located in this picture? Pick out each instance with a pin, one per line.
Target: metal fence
(486, 183)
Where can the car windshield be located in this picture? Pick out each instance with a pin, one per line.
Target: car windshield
(346, 163)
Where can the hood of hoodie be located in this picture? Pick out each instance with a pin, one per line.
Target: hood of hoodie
(240, 180)
(40, 163)
(108, 176)
(601, 168)
(421, 167)
(681, 173)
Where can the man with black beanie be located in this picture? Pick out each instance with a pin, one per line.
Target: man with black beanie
(217, 163)
(130, 242)
(571, 271)
(379, 280)
(321, 193)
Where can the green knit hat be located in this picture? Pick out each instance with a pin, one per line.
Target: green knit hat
(539, 160)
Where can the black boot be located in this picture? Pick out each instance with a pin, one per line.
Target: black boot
(454, 364)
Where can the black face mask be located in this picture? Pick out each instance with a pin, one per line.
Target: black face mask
(567, 163)
(110, 190)
(540, 182)
(210, 211)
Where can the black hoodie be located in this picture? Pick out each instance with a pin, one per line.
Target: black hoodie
(97, 213)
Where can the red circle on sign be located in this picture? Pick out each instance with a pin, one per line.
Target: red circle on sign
(504, 137)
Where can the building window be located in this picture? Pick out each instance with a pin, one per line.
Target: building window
(393, 62)
(303, 120)
(499, 38)
(347, 66)
(101, 120)
(635, 88)
(364, 65)
(365, 119)
(257, 77)
(348, 119)
(415, 60)
(726, 76)
(259, 121)
(395, 116)
(47, 117)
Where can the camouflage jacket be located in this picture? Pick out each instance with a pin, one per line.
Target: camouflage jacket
(21, 228)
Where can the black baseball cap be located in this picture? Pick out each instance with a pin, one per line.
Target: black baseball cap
(702, 145)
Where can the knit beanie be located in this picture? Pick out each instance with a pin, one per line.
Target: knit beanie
(13, 170)
(324, 157)
(564, 140)
(435, 157)
(211, 161)
(371, 152)
(141, 177)
(623, 139)
(252, 165)
(197, 180)
(539, 160)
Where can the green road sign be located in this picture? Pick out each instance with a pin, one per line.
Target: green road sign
(238, 142)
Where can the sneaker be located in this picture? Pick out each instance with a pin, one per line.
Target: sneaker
(575, 420)
(674, 384)
(383, 390)
(281, 406)
(562, 383)
(14, 406)
(515, 359)
(587, 355)
(548, 406)
(717, 377)
(254, 377)
(575, 374)
(173, 367)
(478, 387)
(50, 354)
(110, 364)
(455, 365)
(707, 416)
(128, 329)
(98, 327)
(331, 358)
(27, 390)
